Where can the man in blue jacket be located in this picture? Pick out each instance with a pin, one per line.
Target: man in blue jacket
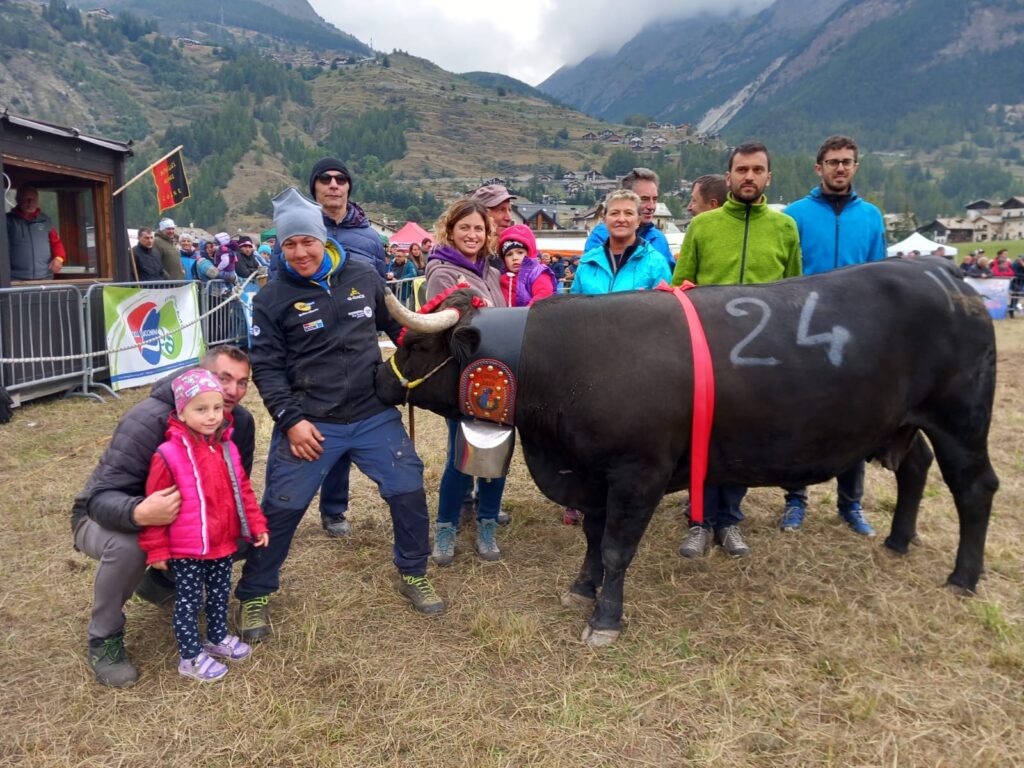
(644, 182)
(837, 229)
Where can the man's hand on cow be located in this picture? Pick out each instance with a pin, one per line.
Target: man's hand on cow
(305, 440)
(159, 508)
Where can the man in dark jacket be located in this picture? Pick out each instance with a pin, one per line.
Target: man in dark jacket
(247, 264)
(36, 250)
(148, 263)
(330, 184)
(315, 355)
(112, 508)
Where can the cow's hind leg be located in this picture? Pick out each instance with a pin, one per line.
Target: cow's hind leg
(911, 477)
(631, 503)
(968, 472)
(583, 591)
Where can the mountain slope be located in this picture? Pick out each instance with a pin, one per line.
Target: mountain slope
(675, 72)
(895, 73)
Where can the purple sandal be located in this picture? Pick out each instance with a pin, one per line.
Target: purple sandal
(231, 648)
(202, 668)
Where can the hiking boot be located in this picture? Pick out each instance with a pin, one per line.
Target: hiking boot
(732, 541)
(110, 664)
(254, 618)
(696, 543)
(792, 516)
(230, 648)
(444, 543)
(420, 592)
(335, 527)
(486, 540)
(572, 516)
(203, 668)
(853, 516)
(155, 588)
(504, 518)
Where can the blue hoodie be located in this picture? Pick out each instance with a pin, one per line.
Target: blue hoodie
(831, 240)
(649, 232)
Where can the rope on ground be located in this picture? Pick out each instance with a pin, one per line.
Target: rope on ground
(236, 295)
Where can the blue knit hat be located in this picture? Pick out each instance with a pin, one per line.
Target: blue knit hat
(295, 214)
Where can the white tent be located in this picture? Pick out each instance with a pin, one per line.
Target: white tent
(918, 242)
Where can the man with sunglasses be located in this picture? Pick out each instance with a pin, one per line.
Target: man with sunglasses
(837, 229)
(330, 184)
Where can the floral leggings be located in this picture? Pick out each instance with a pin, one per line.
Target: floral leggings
(190, 576)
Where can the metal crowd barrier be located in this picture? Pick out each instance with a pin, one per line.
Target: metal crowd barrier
(43, 321)
(53, 337)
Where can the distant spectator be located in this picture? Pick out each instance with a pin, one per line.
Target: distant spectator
(187, 254)
(980, 268)
(206, 265)
(227, 253)
(247, 263)
(268, 237)
(148, 263)
(1002, 267)
(36, 250)
(163, 243)
(941, 253)
(968, 262)
(263, 254)
(419, 261)
(402, 269)
(425, 245)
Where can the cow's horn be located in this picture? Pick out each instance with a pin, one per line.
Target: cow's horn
(432, 323)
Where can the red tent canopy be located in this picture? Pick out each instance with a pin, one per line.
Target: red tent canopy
(409, 234)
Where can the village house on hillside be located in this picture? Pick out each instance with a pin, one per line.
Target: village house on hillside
(984, 221)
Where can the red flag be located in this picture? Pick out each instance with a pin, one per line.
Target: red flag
(171, 184)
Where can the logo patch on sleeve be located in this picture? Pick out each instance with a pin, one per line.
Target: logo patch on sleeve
(354, 295)
(315, 325)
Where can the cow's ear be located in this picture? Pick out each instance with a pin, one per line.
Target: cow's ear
(465, 341)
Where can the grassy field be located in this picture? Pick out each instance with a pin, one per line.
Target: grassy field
(821, 649)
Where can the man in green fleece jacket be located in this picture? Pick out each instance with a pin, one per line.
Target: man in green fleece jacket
(744, 241)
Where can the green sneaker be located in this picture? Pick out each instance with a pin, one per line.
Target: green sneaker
(110, 664)
(420, 592)
(254, 619)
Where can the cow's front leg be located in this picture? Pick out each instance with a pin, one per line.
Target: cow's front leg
(631, 504)
(583, 591)
(911, 477)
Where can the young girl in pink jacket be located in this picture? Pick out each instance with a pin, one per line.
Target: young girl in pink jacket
(217, 507)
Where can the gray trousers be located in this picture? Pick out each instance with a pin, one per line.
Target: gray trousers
(121, 566)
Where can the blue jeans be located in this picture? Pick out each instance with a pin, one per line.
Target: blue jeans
(722, 505)
(849, 485)
(455, 485)
(381, 449)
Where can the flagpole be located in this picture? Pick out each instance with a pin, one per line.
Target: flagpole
(138, 176)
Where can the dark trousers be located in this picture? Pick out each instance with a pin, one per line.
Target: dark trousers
(191, 576)
(722, 505)
(849, 485)
(334, 490)
(381, 449)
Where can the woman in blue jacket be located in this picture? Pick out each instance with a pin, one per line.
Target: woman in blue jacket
(625, 261)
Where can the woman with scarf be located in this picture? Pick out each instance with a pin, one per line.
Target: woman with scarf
(464, 235)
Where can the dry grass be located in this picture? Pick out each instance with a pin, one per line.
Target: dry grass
(820, 649)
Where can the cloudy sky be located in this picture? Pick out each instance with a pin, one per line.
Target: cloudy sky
(528, 39)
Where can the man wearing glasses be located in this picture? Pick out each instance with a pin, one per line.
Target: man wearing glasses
(837, 229)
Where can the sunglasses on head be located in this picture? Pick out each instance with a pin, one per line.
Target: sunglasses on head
(327, 178)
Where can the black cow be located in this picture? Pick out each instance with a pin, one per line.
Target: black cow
(811, 375)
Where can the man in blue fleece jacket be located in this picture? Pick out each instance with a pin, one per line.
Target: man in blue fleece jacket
(837, 228)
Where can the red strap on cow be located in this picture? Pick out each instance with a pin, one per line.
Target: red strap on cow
(703, 400)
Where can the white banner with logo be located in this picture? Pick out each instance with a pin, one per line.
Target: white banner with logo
(150, 332)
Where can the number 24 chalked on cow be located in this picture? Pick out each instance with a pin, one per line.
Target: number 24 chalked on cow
(836, 339)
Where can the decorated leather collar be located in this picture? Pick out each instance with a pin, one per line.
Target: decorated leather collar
(490, 380)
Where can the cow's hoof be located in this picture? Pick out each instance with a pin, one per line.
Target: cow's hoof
(896, 547)
(957, 587)
(572, 599)
(599, 638)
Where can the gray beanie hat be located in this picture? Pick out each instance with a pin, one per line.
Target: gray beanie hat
(296, 214)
